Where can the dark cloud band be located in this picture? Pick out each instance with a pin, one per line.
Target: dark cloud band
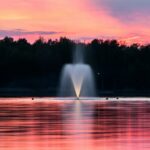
(21, 32)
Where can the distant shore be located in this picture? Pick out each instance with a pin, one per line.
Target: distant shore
(22, 92)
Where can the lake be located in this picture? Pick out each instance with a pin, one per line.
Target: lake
(51, 124)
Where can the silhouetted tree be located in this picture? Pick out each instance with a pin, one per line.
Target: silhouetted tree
(38, 65)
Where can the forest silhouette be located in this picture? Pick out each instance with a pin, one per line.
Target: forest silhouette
(118, 68)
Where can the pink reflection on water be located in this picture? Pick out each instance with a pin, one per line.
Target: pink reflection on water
(70, 125)
(80, 128)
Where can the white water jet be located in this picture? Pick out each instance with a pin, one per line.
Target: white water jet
(77, 78)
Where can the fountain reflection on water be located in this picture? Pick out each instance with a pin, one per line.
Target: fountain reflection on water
(77, 78)
(81, 125)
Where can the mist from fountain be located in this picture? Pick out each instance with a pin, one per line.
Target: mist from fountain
(77, 78)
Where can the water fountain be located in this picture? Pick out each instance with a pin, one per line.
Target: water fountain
(77, 78)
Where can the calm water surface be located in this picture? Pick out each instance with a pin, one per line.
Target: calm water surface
(44, 124)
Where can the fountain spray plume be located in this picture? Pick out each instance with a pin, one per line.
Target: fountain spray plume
(77, 78)
(78, 57)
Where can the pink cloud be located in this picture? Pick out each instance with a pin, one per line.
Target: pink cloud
(74, 19)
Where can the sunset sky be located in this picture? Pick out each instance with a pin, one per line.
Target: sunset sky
(125, 20)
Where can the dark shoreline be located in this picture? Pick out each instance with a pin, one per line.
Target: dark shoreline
(53, 93)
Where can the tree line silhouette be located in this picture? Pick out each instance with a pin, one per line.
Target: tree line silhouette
(38, 66)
